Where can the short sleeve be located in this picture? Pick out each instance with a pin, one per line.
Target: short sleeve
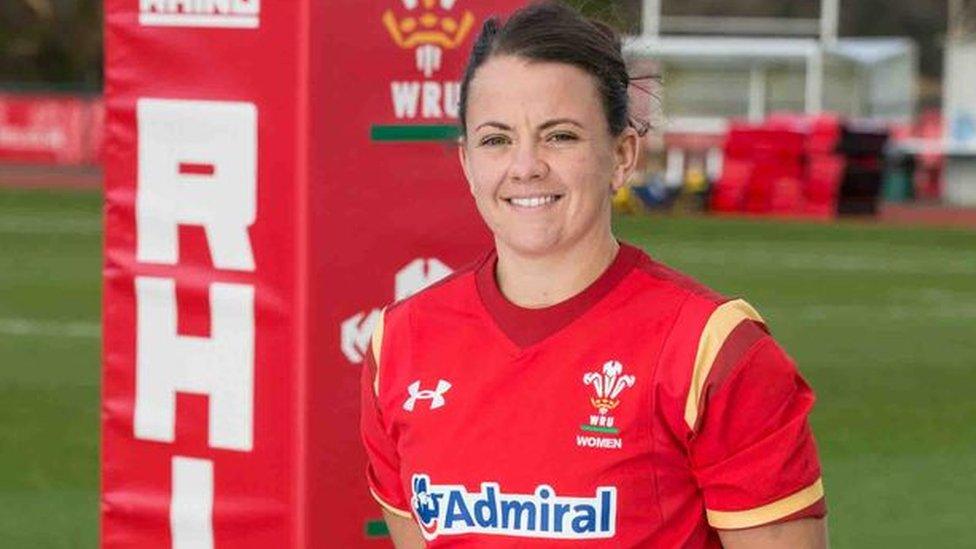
(753, 452)
(383, 463)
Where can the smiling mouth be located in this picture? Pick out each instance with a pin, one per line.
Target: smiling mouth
(534, 201)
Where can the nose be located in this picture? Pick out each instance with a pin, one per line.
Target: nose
(527, 164)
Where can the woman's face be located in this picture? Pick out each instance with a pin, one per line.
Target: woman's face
(539, 157)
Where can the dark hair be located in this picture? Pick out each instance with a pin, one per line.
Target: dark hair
(551, 31)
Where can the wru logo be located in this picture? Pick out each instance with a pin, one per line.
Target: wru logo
(608, 386)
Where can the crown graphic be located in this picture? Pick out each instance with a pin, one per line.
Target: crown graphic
(431, 24)
(428, 26)
(608, 385)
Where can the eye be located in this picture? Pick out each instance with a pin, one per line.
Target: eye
(494, 140)
(559, 137)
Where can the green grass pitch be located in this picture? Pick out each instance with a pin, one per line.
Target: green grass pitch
(882, 322)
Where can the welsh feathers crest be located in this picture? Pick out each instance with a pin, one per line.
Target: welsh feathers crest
(608, 385)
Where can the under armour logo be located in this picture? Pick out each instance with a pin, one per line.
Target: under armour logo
(436, 396)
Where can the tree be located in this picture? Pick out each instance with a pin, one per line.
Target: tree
(51, 42)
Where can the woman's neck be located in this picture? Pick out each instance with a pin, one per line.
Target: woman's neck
(535, 282)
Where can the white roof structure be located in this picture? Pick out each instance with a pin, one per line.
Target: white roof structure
(870, 51)
(712, 77)
(721, 49)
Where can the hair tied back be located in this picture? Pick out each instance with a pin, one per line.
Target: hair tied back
(643, 95)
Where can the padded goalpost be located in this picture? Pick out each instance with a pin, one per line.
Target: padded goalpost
(275, 173)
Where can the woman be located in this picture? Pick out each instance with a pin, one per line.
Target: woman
(566, 390)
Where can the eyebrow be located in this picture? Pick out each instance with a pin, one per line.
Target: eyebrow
(493, 124)
(545, 125)
(558, 121)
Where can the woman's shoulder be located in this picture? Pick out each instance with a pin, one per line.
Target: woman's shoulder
(657, 277)
(698, 312)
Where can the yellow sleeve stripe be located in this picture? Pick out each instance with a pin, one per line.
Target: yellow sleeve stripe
(732, 520)
(388, 507)
(723, 320)
(376, 345)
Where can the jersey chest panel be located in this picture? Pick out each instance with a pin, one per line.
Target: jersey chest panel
(477, 420)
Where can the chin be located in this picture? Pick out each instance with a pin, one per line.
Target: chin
(533, 245)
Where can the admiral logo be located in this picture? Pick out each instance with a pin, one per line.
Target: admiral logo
(355, 332)
(239, 14)
(444, 510)
(607, 387)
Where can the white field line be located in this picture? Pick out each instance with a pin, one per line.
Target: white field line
(920, 263)
(835, 312)
(40, 225)
(920, 304)
(49, 328)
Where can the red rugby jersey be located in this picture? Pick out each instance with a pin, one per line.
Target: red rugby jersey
(647, 411)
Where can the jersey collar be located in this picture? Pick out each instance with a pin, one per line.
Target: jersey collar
(526, 327)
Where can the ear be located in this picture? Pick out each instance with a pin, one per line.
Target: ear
(626, 153)
(463, 159)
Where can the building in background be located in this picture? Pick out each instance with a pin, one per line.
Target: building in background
(960, 104)
(715, 69)
(757, 76)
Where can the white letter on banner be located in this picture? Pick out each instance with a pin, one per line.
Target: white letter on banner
(405, 96)
(197, 166)
(191, 506)
(432, 100)
(251, 7)
(221, 366)
(419, 274)
(356, 332)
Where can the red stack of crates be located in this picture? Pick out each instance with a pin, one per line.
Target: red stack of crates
(729, 192)
(786, 166)
(825, 167)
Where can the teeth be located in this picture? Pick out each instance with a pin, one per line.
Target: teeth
(533, 201)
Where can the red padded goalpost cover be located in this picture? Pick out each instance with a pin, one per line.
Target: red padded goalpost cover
(275, 173)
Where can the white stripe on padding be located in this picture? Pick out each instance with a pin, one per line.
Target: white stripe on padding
(191, 506)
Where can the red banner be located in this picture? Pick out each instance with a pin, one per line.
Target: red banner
(47, 129)
(203, 359)
(391, 211)
(275, 173)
